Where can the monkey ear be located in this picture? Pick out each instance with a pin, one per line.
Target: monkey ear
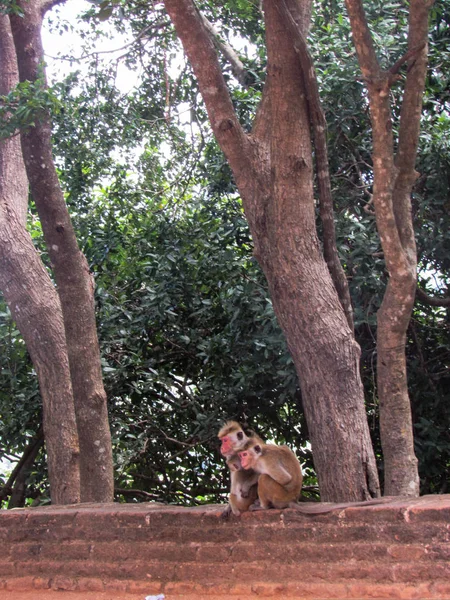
(258, 449)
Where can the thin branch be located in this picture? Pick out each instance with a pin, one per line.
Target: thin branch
(409, 54)
(20, 471)
(237, 67)
(132, 492)
(203, 57)
(423, 297)
(362, 37)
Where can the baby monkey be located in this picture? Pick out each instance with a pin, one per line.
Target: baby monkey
(280, 474)
(244, 483)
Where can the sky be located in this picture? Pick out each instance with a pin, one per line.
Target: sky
(69, 42)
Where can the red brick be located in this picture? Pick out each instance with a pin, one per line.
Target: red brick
(441, 589)
(20, 583)
(410, 533)
(422, 571)
(119, 585)
(438, 552)
(375, 514)
(361, 570)
(424, 514)
(188, 587)
(211, 553)
(392, 590)
(63, 583)
(134, 570)
(7, 569)
(203, 573)
(147, 587)
(406, 552)
(278, 590)
(41, 583)
(233, 588)
(149, 534)
(90, 584)
(314, 591)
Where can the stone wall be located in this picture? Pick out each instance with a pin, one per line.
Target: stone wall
(398, 549)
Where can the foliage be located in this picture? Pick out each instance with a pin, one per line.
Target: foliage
(25, 105)
(10, 7)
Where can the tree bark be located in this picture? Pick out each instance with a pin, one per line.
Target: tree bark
(73, 279)
(34, 303)
(319, 135)
(394, 177)
(273, 171)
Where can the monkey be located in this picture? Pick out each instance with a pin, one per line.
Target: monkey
(243, 488)
(280, 474)
(233, 438)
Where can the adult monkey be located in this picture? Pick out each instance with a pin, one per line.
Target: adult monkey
(244, 483)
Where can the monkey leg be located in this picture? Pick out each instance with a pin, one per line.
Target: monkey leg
(239, 503)
(274, 495)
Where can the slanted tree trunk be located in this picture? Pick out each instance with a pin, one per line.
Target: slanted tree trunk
(35, 305)
(73, 279)
(394, 177)
(273, 170)
(17, 482)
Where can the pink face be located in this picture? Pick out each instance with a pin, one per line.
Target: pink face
(226, 447)
(231, 443)
(245, 459)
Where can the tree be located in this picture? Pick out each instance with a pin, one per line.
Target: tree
(73, 280)
(272, 168)
(393, 178)
(35, 305)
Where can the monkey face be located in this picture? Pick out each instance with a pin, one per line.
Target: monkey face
(234, 465)
(246, 459)
(231, 443)
(250, 455)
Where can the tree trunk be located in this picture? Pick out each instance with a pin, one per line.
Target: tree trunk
(394, 177)
(273, 172)
(34, 303)
(73, 279)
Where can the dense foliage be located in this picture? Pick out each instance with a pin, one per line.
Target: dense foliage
(187, 331)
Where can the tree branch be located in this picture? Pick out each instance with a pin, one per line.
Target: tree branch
(400, 62)
(202, 55)
(362, 38)
(319, 129)
(47, 5)
(423, 297)
(16, 481)
(237, 67)
(409, 130)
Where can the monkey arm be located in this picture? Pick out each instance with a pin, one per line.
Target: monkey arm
(278, 473)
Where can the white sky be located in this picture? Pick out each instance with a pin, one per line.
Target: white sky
(56, 44)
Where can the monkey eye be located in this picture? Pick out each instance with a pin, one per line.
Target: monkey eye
(240, 435)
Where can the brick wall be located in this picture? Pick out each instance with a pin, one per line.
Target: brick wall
(399, 549)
